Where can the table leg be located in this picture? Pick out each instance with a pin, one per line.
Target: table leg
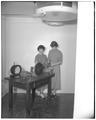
(49, 88)
(33, 96)
(10, 94)
(28, 101)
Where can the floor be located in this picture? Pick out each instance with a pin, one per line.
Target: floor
(59, 107)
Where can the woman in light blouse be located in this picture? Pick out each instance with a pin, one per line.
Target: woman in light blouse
(55, 59)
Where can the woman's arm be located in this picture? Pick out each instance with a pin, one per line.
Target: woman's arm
(59, 60)
(58, 63)
(36, 59)
(49, 60)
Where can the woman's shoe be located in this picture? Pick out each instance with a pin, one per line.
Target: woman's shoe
(54, 92)
(42, 95)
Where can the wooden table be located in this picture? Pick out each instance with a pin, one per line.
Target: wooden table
(28, 84)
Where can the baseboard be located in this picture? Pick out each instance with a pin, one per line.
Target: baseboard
(17, 90)
(59, 91)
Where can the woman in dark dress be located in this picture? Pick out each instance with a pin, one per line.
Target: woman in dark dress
(41, 58)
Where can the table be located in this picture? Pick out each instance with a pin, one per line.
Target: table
(29, 84)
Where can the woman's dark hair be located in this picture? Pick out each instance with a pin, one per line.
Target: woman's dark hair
(39, 68)
(41, 47)
(54, 44)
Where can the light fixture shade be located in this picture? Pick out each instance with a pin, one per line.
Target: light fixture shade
(54, 23)
(57, 13)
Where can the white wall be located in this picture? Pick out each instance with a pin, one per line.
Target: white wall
(23, 35)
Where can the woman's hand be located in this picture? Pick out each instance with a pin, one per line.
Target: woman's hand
(49, 64)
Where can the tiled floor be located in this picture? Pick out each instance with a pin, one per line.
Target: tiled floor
(59, 107)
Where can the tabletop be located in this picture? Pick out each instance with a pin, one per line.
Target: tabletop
(30, 77)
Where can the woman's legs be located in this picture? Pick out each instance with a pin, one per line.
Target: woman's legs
(40, 92)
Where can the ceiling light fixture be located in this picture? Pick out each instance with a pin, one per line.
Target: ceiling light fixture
(56, 13)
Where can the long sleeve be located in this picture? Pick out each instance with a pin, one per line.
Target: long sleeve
(49, 57)
(46, 61)
(55, 57)
(60, 57)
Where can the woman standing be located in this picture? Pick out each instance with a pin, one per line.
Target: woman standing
(55, 60)
(41, 58)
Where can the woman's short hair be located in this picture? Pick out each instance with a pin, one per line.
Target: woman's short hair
(41, 47)
(54, 44)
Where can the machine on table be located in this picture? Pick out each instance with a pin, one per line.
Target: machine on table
(29, 82)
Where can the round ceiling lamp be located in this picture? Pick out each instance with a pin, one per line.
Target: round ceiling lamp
(57, 13)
